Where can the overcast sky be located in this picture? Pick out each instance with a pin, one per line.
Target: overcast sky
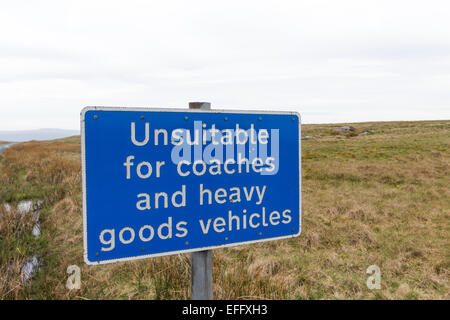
(333, 61)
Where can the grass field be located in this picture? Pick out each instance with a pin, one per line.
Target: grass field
(380, 199)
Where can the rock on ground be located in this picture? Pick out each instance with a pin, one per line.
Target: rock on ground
(344, 129)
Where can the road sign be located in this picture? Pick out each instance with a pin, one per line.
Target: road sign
(167, 181)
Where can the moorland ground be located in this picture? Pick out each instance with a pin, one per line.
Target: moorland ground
(379, 199)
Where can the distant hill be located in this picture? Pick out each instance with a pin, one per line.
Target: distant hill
(39, 134)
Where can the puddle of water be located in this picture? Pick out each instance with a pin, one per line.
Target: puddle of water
(29, 268)
(3, 147)
(25, 206)
(7, 207)
(36, 230)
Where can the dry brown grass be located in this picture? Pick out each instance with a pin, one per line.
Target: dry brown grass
(14, 231)
(379, 199)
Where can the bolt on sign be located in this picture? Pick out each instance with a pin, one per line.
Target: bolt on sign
(167, 181)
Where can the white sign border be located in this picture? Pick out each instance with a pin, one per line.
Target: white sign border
(178, 110)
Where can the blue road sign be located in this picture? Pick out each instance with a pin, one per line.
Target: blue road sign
(167, 181)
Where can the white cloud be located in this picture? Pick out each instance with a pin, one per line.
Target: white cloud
(334, 61)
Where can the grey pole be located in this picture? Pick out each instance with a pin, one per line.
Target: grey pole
(201, 261)
(201, 275)
(200, 105)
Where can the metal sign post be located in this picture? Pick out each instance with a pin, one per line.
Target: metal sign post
(201, 275)
(201, 261)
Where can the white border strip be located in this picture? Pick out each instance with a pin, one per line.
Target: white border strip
(176, 110)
